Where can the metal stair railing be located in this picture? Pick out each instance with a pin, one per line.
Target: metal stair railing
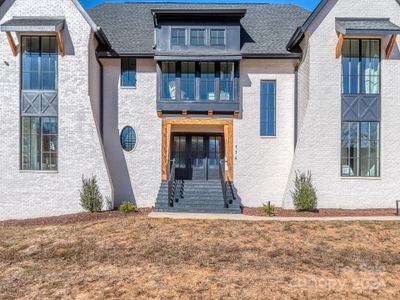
(171, 182)
(223, 182)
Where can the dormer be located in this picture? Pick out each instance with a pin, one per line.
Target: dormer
(197, 32)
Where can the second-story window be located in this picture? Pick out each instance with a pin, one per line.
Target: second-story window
(226, 81)
(188, 81)
(128, 72)
(178, 36)
(361, 66)
(207, 81)
(39, 63)
(217, 37)
(168, 80)
(197, 37)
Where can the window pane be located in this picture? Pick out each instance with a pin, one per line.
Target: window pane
(168, 81)
(217, 37)
(188, 76)
(226, 81)
(178, 36)
(267, 108)
(197, 37)
(128, 72)
(39, 63)
(360, 149)
(128, 138)
(207, 81)
(30, 147)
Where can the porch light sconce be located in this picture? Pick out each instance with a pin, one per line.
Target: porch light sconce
(398, 207)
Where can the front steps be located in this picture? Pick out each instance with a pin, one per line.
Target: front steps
(198, 197)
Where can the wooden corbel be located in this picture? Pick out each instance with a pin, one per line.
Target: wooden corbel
(60, 43)
(12, 43)
(390, 46)
(339, 45)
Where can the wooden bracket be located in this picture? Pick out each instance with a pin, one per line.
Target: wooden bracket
(339, 45)
(60, 43)
(12, 43)
(184, 112)
(390, 46)
(236, 114)
(210, 113)
(159, 113)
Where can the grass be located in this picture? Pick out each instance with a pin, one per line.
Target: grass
(138, 257)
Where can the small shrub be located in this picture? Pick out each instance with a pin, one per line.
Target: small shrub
(91, 198)
(269, 209)
(127, 207)
(304, 194)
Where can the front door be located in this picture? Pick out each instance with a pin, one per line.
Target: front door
(197, 156)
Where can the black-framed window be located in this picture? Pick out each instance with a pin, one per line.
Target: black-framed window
(39, 143)
(188, 81)
(217, 37)
(197, 37)
(360, 155)
(178, 36)
(227, 76)
(361, 66)
(268, 108)
(207, 81)
(128, 72)
(39, 62)
(198, 81)
(168, 80)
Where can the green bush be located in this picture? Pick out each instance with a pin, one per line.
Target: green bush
(91, 198)
(304, 195)
(127, 207)
(269, 209)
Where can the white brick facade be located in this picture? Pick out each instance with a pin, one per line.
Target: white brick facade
(32, 194)
(263, 167)
(319, 137)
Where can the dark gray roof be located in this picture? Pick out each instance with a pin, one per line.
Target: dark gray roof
(39, 24)
(369, 26)
(266, 28)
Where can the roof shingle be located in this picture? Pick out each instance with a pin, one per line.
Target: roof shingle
(266, 28)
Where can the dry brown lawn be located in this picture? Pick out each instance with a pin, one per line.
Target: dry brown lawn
(138, 257)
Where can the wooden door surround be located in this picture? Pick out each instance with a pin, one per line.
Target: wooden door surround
(166, 141)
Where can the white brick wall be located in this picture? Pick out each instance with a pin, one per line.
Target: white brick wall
(32, 194)
(262, 164)
(319, 142)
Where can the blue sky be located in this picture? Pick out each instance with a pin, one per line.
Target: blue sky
(309, 4)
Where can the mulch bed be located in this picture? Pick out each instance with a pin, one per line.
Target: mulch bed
(74, 218)
(280, 212)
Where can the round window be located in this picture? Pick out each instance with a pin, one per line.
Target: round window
(128, 138)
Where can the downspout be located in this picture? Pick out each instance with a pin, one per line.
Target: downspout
(296, 103)
(101, 98)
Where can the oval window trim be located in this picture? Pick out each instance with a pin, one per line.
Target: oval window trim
(123, 142)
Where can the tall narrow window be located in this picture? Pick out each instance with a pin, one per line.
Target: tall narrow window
(227, 79)
(207, 81)
(39, 63)
(168, 81)
(188, 81)
(361, 66)
(360, 149)
(39, 103)
(217, 37)
(178, 36)
(128, 72)
(197, 37)
(267, 108)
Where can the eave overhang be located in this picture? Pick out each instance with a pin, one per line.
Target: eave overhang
(366, 26)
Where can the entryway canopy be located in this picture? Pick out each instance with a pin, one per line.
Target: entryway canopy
(34, 24)
(366, 26)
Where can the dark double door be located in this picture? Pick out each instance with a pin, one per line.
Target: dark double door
(197, 156)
